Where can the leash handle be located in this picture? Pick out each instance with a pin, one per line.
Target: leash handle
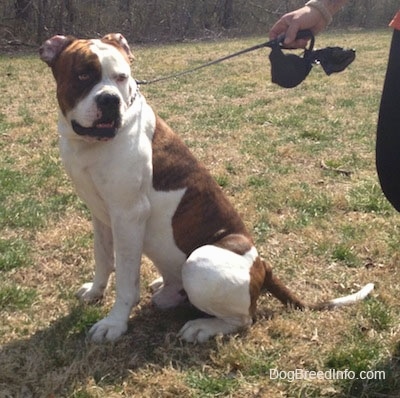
(301, 34)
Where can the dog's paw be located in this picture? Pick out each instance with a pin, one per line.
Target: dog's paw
(200, 330)
(157, 284)
(87, 294)
(196, 331)
(107, 330)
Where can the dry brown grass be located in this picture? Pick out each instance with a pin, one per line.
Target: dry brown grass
(326, 234)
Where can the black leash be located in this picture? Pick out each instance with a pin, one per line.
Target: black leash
(216, 61)
(303, 34)
(287, 70)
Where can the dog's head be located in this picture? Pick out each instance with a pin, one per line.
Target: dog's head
(94, 83)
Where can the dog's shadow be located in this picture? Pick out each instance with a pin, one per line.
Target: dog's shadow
(59, 359)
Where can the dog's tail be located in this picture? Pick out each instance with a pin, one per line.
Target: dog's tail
(276, 287)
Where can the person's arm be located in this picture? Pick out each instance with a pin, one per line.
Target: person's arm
(315, 15)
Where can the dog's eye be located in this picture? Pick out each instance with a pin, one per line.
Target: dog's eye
(121, 77)
(83, 77)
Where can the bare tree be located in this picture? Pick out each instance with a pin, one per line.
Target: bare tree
(70, 18)
(23, 9)
(224, 10)
(163, 20)
(41, 19)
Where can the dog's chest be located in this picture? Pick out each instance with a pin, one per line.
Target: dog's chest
(111, 183)
(90, 184)
(109, 177)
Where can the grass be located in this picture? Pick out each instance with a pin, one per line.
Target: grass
(15, 297)
(325, 232)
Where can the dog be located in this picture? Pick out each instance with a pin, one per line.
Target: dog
(148, 194)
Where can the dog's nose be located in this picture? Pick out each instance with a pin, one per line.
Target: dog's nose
(107, 100)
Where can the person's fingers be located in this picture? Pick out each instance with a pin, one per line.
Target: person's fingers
(291, 32)
(278, 29)
(301, 43)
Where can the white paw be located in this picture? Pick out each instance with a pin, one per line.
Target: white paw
(200, 330)
(156, 284)
(88, 294)
(107, 330)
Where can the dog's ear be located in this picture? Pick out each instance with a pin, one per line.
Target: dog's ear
(53, 47)
(120, 40)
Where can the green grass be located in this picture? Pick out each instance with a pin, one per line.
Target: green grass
(207, 386)
(367, 197)
(326, 233)
(15, 297)
(14, 253)
(353, 357)
(344, 254)
(378, 315)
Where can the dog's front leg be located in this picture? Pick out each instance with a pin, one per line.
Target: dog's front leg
(104, 263)
(128, 232)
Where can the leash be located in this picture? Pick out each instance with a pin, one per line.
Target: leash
(303, 34)
(287, 70)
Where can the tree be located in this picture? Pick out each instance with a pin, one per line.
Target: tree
(166, 20)
(23, 9)
(224, 10)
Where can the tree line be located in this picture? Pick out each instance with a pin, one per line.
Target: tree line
(31, 21)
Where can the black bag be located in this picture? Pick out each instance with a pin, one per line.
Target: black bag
(289, 70)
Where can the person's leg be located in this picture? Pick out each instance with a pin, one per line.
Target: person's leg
(388, 131)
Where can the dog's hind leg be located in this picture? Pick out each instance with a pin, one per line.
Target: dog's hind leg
(104, 257)
(168, 290)
(167, 294)
(217, 281)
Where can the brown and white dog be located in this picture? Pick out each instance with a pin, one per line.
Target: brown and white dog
(148, 194)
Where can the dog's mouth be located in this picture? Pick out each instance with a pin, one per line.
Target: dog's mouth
(101, 129)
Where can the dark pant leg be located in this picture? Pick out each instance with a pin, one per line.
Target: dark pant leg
(388, 131)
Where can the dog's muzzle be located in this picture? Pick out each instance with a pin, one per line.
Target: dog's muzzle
(106, 126)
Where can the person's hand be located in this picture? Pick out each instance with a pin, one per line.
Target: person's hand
(290, 23)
